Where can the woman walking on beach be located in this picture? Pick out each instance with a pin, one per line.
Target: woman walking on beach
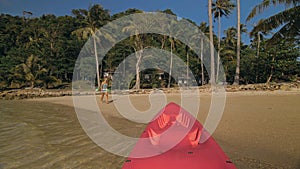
(104, 90)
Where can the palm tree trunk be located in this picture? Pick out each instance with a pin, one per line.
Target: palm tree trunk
(202, 66)
(258, 43)
(100, 70)
(171, 65)
(270, 76)
(257, 55)
(124, 67)
(212, 59)
(187, 66)
(97, 63)
(237, 71)
(32, 84)
(137, 68)
(219, 45)
(271, 71)
(163, 42)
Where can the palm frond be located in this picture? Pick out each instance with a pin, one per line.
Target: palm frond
(258, 9)
(222, 8)
(29, 77)
(277, 20)
(83, 33)
(290, 31)
(267, 3)
(30, 61)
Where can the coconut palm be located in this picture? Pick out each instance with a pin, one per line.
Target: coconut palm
(238, 46)
(257, 36)
(230, 39)
(229, 45)
(221, 8)
(287, 21)
(31, 70)
(91, 19)
(228, 52)
(212, 59)
(205, 30)
(138, 46)
(138, 42)
(171, 39)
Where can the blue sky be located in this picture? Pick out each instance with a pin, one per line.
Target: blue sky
(195, 10)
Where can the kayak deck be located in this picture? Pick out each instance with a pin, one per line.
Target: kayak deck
(171, 141)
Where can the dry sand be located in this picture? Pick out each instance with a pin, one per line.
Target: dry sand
(257, 130)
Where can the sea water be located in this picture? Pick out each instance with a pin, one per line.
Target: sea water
(43, 135)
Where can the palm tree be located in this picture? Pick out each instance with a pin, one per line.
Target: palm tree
(205, 30)
(187, 64)
(256, 43)
(212, 59)
(31, 70)
(171, 39)
(228, 50)
(221, 8)
(238, 46)
(172, 47)
(91, 19)
(138, 42)
(257, 38)
(287, 20)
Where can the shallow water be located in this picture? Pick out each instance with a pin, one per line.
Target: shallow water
(36, 134)
(43, 135)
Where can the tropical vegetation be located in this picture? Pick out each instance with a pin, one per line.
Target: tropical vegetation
(41, 51)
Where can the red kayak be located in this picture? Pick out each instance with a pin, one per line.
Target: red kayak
(172, 141)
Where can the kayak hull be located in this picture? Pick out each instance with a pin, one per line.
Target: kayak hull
(171, 141)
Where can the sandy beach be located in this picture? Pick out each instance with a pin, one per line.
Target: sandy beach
(257, 129)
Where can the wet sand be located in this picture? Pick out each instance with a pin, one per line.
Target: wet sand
(257, 130)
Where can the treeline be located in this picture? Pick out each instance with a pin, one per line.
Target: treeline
(41, 51)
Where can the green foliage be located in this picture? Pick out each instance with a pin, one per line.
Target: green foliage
(41, 52)
(286, 22)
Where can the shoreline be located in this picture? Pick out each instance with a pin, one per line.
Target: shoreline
(61, 99)
(18, 94)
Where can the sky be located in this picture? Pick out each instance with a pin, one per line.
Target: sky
(195, 10)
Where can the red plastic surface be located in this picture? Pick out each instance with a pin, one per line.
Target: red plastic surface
(173, 138)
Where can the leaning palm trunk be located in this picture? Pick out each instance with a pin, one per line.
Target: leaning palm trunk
(271, 70)
(97, 63)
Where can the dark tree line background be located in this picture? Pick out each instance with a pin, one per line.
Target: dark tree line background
(41, 51)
